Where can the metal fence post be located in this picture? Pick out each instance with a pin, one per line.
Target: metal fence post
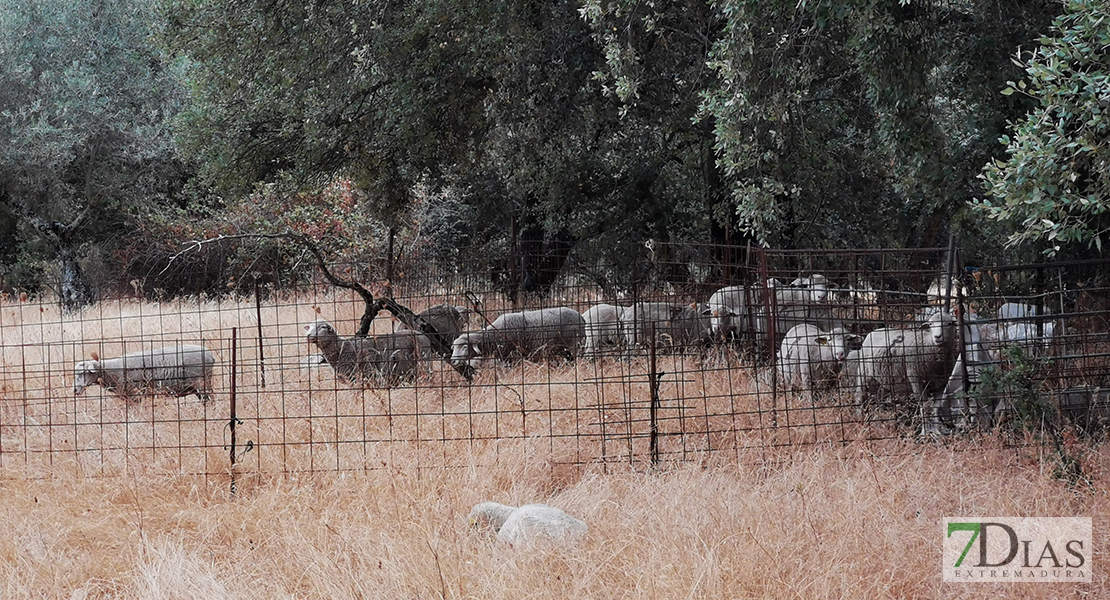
(231, 395)
(653, 411)
(258, 318)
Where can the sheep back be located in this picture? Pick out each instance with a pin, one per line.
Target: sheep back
(920, 359)
(447, 321)
(804, 302)
(676, 325)
(398, 355)
(531, 333)
(602, 327)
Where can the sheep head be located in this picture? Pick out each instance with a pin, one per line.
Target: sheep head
(942, 327)
(85, 373)
(320, 331)
(464, 351)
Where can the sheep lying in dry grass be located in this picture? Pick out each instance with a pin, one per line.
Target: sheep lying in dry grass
(173, 370)
(527, 523)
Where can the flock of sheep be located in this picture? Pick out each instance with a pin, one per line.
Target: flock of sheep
(815, 351)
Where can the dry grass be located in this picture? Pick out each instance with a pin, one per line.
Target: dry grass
(105, 499)
(816, 525)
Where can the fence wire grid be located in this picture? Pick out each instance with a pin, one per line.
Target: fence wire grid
(682, 376)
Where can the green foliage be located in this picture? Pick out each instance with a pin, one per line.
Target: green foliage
(1053, 185)
(302, 92)
(598, 124)
(1014, 389)
(859, 123)
(84, 103)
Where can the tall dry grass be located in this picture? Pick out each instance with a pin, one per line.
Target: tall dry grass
(354, 493)
(814, 525)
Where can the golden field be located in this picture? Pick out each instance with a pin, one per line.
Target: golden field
(364, 493)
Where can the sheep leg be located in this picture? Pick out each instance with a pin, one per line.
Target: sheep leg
(860, 391)
(930, 407)
(808, 385)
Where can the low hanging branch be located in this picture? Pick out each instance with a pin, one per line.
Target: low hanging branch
(373, 307)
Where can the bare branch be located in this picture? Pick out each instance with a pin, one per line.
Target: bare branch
(373, 307)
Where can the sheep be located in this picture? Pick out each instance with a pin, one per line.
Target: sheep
(945, 289)
(804, 301)
(983, 345)
(677, 326)
(527, 523)
(390, 357)
(312, 363)
(892, 360)
(401, 354)
(1018, 324)
(818, 285)
(810, 359)
(448, 321)
(729, 308)
(602, 327)
(174, 370)
(532, 333)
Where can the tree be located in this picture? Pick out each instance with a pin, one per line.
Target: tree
(288, 91)
(84, 98)
(836, 123)
(1053, 184)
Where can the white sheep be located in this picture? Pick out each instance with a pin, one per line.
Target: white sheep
(943, 288)
(677, 326)
(984, 341)
(805, 300)
(918, 361)
(811, 359)
(1018, 324)
(546, 332)
(527, 523)
(603, 328)
(174, 370)
(729, 308)
(391, 357)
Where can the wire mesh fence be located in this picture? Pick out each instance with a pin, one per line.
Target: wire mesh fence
(705, 353)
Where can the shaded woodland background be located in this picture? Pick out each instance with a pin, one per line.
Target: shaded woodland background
(550, 132)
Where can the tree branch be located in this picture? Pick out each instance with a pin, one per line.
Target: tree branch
(373, 307)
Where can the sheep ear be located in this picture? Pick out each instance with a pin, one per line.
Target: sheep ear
(94, 356)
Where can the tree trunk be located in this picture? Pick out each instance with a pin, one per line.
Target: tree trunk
(74, 289)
